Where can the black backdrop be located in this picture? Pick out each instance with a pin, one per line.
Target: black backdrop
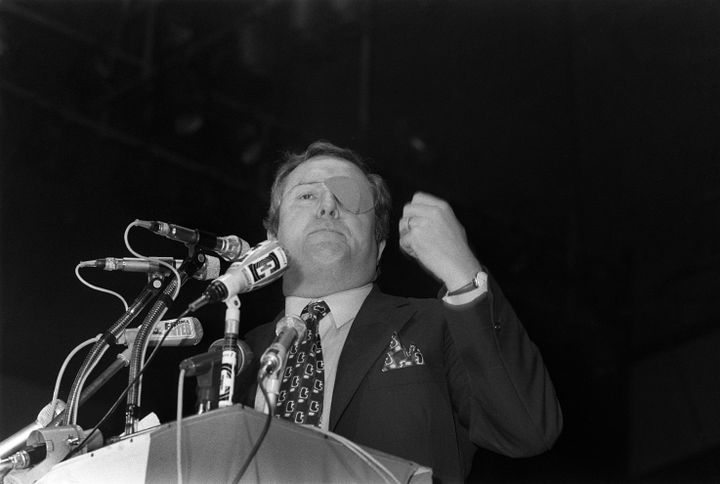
(576, 141)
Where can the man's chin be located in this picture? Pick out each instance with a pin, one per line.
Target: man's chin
(327, 251)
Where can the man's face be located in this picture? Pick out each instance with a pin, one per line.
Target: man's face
(328, 230)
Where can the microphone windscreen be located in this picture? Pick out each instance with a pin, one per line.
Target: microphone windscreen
(244, 354)
(50, 411)
(209, 270)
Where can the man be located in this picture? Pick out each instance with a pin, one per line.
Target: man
(423, 379)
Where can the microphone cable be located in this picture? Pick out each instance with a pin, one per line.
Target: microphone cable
(260, 439)
(68, 358)
(98, 288)
(372, 462)
(159, 261)
(127, 388)
(178, 426)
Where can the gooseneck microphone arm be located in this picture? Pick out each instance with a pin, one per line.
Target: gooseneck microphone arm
(121, 361)
(141, 301)
(189, 266)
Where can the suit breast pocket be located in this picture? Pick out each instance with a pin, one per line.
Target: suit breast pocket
(412, 375)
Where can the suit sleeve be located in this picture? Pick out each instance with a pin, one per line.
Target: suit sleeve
(499, 385)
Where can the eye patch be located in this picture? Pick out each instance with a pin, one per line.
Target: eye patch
(351, 194)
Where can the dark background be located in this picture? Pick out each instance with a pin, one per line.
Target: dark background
(576, 141)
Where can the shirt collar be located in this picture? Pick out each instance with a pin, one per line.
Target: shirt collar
(343, 305)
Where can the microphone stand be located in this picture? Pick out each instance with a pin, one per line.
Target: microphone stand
(229, 352)
(206, 368)
(190, 265)
(272, 387)
(207, 391)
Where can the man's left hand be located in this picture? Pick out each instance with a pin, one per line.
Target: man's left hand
(430, 233)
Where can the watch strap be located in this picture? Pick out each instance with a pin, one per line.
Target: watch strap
(479, 281)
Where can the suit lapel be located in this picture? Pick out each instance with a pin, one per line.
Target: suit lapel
(379, 316)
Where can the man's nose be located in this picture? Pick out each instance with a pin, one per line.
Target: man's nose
(328, 206)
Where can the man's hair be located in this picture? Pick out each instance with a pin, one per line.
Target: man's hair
(381, 194)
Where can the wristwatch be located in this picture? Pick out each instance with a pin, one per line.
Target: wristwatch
(479, 281)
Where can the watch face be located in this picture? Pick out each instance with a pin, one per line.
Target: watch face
(480, 279)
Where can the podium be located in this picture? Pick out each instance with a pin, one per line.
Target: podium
(215, 446)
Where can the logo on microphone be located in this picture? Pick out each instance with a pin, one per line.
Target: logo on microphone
(265, 267)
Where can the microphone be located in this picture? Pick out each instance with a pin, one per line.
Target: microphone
(198, 364)
(244, 354)
(187, 332)
(229, 247)
(261, 265)
(288, 330)
(209, 270)
(209, 370)
(28, 456)
(17, 440)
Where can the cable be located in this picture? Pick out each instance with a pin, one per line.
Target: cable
(69, 357)
(260, 439)
(159, 261)
(97, 288)
(178, 426)
(127, 388)
(365, 456)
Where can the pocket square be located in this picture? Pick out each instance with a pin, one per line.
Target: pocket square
(398, 356)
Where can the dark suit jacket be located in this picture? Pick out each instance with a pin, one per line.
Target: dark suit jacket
(483, 383)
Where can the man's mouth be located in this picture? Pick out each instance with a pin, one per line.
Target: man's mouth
(326, 229)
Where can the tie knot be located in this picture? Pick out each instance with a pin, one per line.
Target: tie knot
(314, 312)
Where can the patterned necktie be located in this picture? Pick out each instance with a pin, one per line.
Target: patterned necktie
(300, 399)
